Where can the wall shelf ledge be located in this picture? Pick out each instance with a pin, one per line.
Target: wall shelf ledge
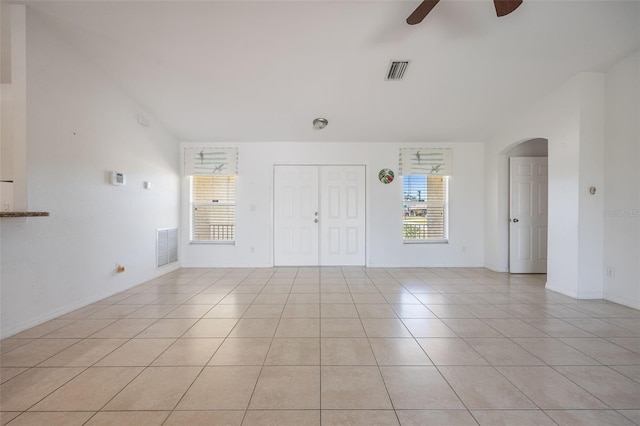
(23, 214)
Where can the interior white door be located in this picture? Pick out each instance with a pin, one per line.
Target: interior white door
(319, 215)
(342, 215)
(528, 215)
(296, 215)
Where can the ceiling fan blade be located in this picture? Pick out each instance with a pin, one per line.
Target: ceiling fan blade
(505, 7)
(421, 12)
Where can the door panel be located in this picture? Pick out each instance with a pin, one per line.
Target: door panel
(342, 215)
(295, 208)
(524, 243)
(319, 215)
(528, 215)
(352, 240)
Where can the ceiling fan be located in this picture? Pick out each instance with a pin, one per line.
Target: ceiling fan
(503, 7)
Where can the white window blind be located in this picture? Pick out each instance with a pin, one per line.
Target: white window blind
(213, 208)
(425, 208)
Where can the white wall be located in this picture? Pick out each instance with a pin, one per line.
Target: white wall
(6, 148)
(571, 120)
(18, 102)
(591, 173)
(254, 239)
(6, 134)
(80, 126)
(622, 182)
(555, 118)
(592, 124)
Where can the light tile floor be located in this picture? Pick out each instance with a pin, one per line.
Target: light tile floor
(330, 346)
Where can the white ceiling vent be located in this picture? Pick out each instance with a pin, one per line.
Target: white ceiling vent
(396, 70)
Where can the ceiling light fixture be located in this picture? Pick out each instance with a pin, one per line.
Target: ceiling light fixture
(320, 123)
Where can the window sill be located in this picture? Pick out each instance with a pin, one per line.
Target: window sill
(434, 241)
(215, 243)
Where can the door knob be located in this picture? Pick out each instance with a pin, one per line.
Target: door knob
(315, 220)
(515, 220)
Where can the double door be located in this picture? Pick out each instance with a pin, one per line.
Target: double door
(319, 215)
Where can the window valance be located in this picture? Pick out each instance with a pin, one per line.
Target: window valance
(426, 161)
(210, 161)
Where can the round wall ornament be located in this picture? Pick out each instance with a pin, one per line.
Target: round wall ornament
(386, 176)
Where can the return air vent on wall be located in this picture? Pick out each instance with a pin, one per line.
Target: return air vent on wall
(167, 246)
(396, 70)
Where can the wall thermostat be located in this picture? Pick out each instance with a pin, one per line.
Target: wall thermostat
(118, 178)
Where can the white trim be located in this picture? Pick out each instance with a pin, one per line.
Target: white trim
(426, 241)
(590, 295)
(622, 301)
(163, 270)
(560, 290)
(215, 242)
(585, 295)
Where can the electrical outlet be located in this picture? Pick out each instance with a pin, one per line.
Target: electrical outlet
(611, 272)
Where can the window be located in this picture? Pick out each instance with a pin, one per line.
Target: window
(213, 207)
(425, 208)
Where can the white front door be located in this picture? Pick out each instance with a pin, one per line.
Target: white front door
(528, 215)
(296, 215)
(319, 215)
(342, 215)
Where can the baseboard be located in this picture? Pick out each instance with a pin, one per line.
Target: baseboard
(408, 265)
(15, 329)
(591, 295)
(561, 290)
(229, 265)
(635, 304)
(495, 268)
(51, 315)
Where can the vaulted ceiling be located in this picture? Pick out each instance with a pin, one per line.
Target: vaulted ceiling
(263, 70)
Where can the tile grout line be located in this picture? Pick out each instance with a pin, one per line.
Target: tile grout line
(196, 376)
(528, 298)
(255, 386)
